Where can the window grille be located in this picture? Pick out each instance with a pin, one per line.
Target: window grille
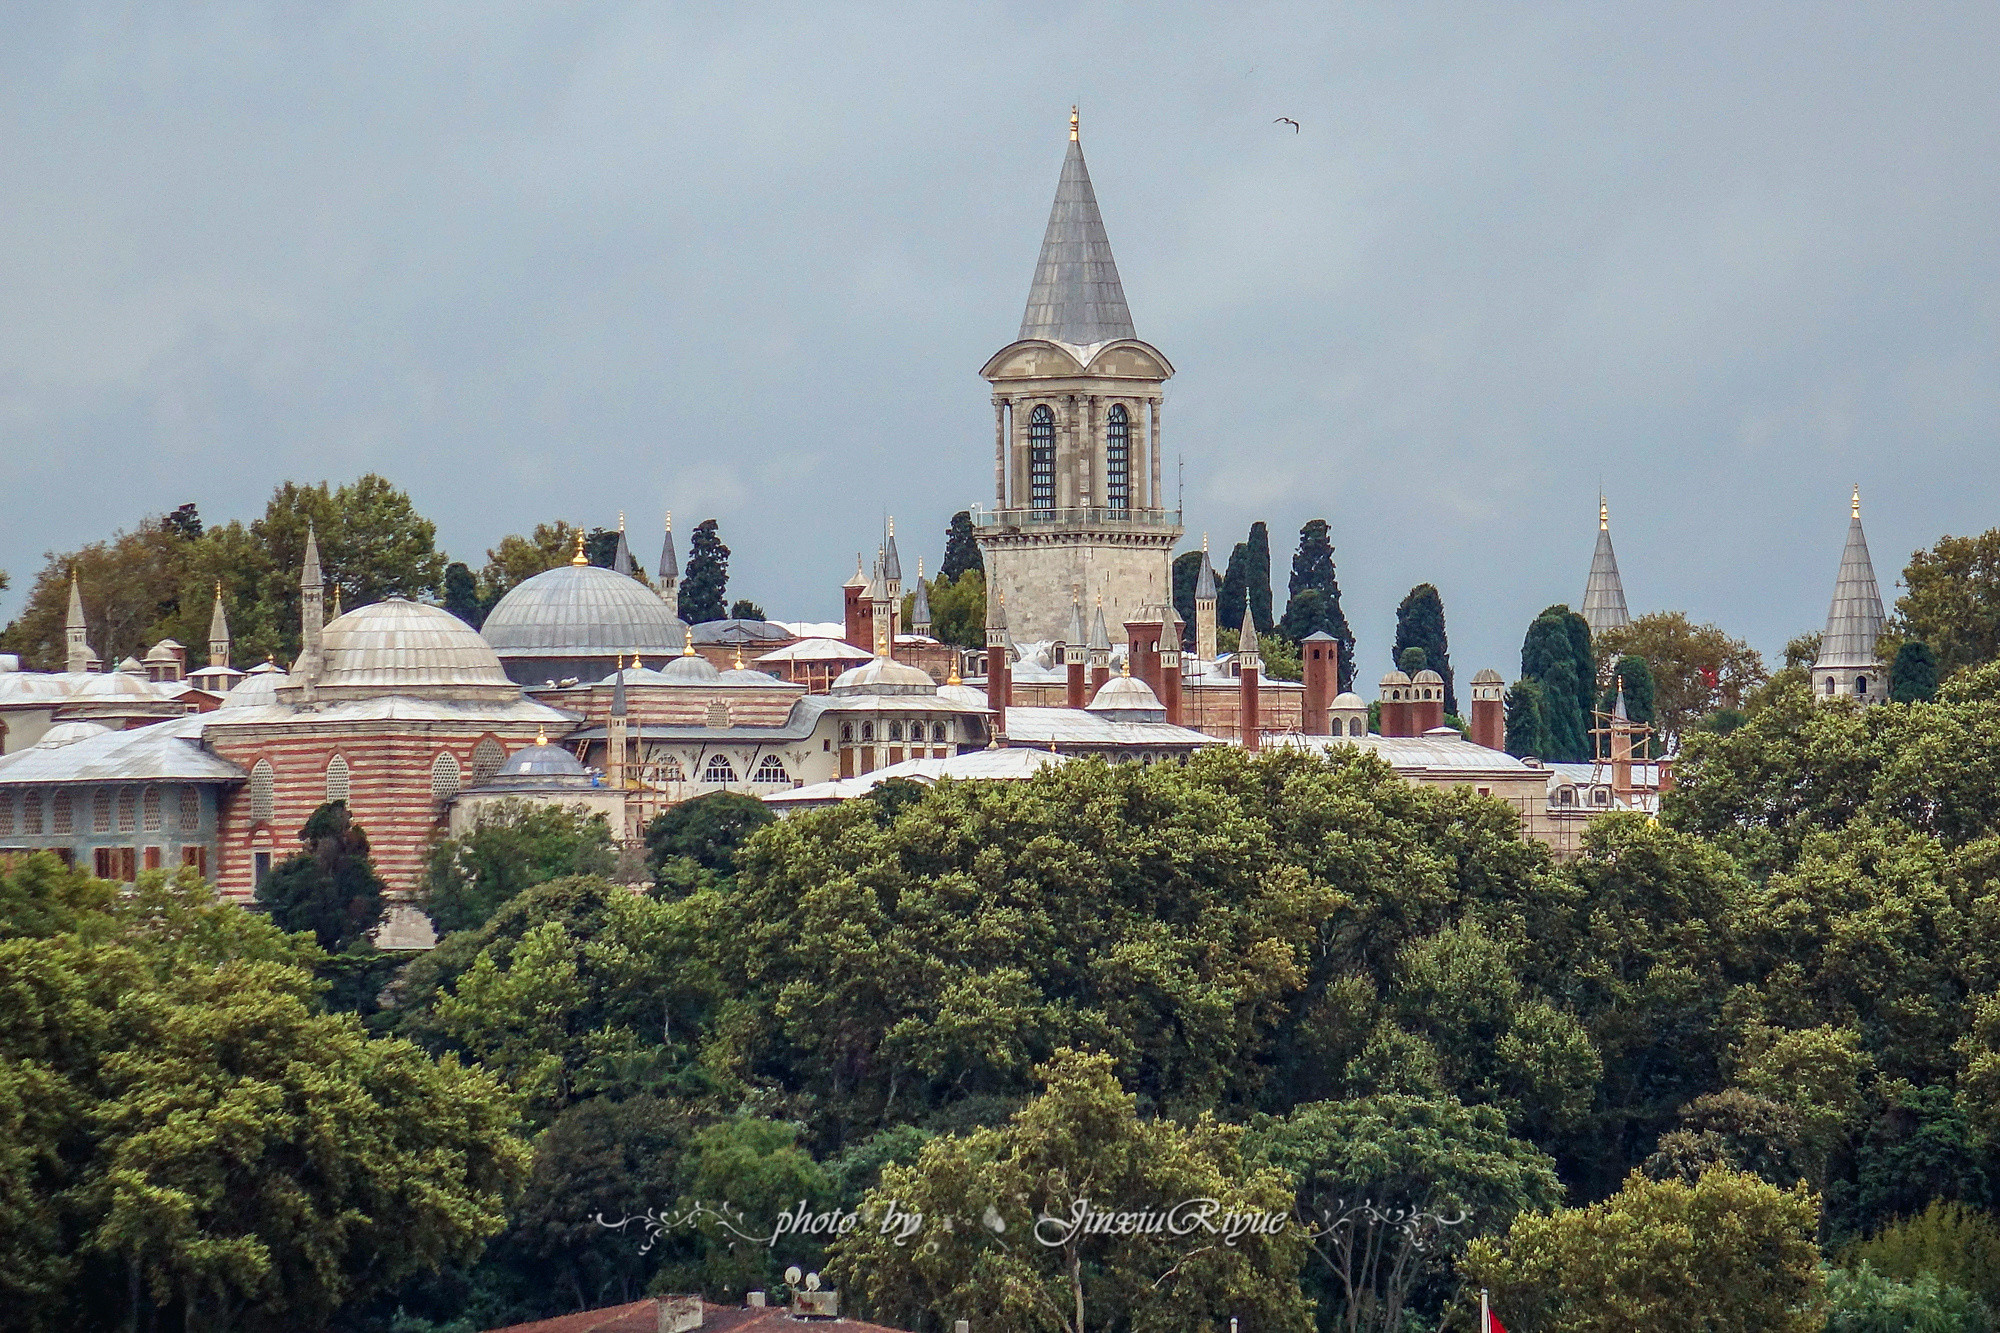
(100, 807)
(151, 811)
(487, 756)
(6, 814)
(1042, 459)
(190, 809)
(444, 777)
(937, 732)
(895, 731)
(772, 770)
(128, 811)
(719, 770)
(64, 817)
(31, 813)
(339, 778)
(1118, 459)
(260, 792)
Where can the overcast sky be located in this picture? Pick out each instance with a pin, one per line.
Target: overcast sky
(534, 261)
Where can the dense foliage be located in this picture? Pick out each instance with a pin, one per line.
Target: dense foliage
(1420, 624)
(1312, 603)
(704, 586)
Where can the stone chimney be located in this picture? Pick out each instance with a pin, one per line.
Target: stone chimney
(1489, 710)
(1319, 656)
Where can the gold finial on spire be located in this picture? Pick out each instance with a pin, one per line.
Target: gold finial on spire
(1603, 514)
(952, 678)
(218, 590)
(1073, 123)
(881, 645)
(579, 558)
(541, 734)
(687, 648)
(892, 525)
(1857, 499)
(621, 520)
(670, 520)
(739, 657)
(1204, 543)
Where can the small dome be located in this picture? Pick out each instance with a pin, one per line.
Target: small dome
(884, 675)
(404, 647)
(265, 668)
(1394, 678)
(116, 685)
(962, 694)
(1427, 677)
(131, 667)
(163, 651)
(69, 733)
(1123, 692)
(1488, 676)
(635, 675)
(1349, 699)
(575, 611)
(542, 761)
(689, 669)
(257, 689)
(744, 676)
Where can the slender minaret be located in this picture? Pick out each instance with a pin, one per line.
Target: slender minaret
(1604, 594)
(920, 606)
(614, 732)
(670, 576)
(218, 632)
(1100, 651)
(1847, 666)
(78, 657)
(1204, 607)
(621, 559)
(1076, 652)
(884, 613)
(312, 616)
(1251, 663)
(999, 677)
(892, 580)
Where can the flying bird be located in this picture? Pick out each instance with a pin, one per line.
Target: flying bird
(1287, 120)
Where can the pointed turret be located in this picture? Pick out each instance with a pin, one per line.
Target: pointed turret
(1204, 606)
(920, 603)
(892, 564)
(1604, 594)
(1076, 297)
(312, 615)
(1247, 653)
(1076, 636)
(1847, 664)
(670, 574)
(78, 656)
(218, 632)
(621, 559)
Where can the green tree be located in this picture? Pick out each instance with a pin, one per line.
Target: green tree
(372, 544)
(184, 522)
(1862, 1300)
(1727, 1251)
(517, 559)
(1420, 624)
(330, 887)
(1257, 577)
(958, 610)
(512, 846)
(1527, 726)
(1313, 597)
(131, 588)
(1018, 1254)
(961, 550)
(1361, 1167)
(1631, 676)
(1696, 669)
(1281, 658)
(461, 594)
(1952, 601)
(705, 585)
(706, 831)
(1948, 1242)
(1233, 593)
(1557, 653)
(745, 609)
(1913, 676)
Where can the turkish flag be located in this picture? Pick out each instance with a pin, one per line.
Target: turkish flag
(1493, 1324)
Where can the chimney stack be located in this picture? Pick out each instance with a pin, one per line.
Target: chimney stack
(1251, 664)
(1320, 658)
(1489, 710)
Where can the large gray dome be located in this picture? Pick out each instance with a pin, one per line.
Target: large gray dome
(403, 647)
(575, 619)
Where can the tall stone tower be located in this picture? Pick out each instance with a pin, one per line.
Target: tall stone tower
(1604, 592)
(1077, 495)
(1847, 666)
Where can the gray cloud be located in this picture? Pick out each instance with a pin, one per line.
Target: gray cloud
(535, 261)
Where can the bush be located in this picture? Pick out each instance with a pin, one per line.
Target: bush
(1947, 1241)
(1864, 1301)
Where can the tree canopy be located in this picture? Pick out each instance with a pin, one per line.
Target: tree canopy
(961, 550)
(1696, 669)
(704, 587)
(1313, 597)
(1951, 601)
(1420, 624)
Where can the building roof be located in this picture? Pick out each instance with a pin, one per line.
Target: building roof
(745, 632)
(257, 689)
(1440, 748)
(1076, 297)
(1130, 698)
(690, 668)
(165, 752)
(817, 650)
(1604, 593)
(391, 708)
(582, 611)
(883, 675)
(1078, 726)
(405, 647)
(1854, 620)
(1002, 765)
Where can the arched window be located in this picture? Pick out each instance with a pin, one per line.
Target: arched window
(128, 811)
(719, 770)
(190, 808)
(150, 810)
(487, 756)
(6, 814)
(895, 731)
(63, 817)
(1355, 727)
(1861, 684)
(772, 770)
(31, 813)
(1118, 459)
(1829, 684)
(100, 805)
(1042, 458)
(937, 733)
(867, 732)
(444, 777)
(260, 792)
(338, 778)
(847, 733)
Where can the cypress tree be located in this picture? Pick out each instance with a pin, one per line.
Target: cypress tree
(1313, 597)
(705, 585)
(1257, 576)
(1230, 596)
(1637, 679)
(1526, 732)
(1420, 624)
(1913, 676)
(1565, 701)
(961, 551)
(1187, 570)
(1556, 652)
(461, 594)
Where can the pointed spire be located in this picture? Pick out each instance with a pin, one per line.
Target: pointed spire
(579, 558)
(1618, 713)
(1076, 297)
(860, 579)
(1604, 592)
(920, 604)
(218, 631)
(669, 568)
(1100, 637)
(336, 601)
(75, 620)
(309, 573)
(1204, 579)
(77, 657)
(1075, 637)
(618, 706)
(1247, 654)
(1854, 620)
(996, 614)
(892, 564)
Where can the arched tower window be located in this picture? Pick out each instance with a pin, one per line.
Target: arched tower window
(1042, 458)
(1118, 459)
(487, 756)
(260, 792)
(338, 778)
(444, 777)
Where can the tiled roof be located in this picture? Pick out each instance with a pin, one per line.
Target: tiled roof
(1076, 297)
(164, 752)
(1001, 765)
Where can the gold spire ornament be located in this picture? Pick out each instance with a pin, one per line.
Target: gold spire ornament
(1857, 499)
(579, 558)
(687, 649)
(541, 734)
(1603, 515)
(739, 657)
(1074, 122)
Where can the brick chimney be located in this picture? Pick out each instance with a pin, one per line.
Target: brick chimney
(1489, 710)
(1320, 658)
(1250, 663)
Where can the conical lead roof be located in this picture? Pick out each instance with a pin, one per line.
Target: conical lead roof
(1854, 621)
(1077, 297)
(1604, 594)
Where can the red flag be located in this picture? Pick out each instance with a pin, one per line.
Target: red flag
(1493, 1324)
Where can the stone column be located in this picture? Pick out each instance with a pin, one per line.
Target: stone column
(1153, 450)
(1018, 431)
(999, 452)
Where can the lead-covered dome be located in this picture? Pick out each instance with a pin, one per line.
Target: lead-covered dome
(402, 647)
(576, 621)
